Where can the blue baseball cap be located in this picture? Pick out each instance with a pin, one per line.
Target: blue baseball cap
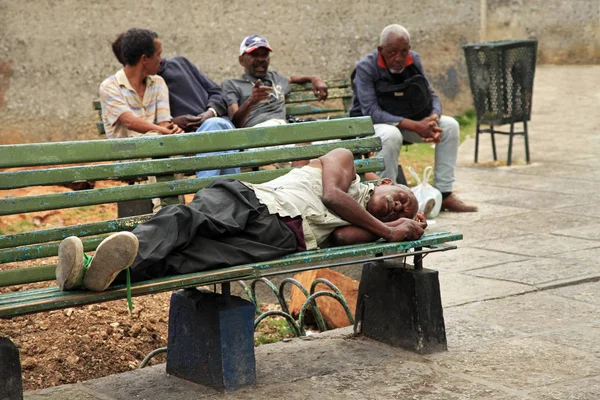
(253, 42)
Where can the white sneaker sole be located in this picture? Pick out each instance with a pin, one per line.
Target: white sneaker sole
(113, 255)
(70, 263)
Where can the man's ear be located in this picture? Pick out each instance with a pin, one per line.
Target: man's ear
(379, 49)
(241, 60)
(385, 181)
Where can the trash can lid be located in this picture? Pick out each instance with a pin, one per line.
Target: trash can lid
(500, 43)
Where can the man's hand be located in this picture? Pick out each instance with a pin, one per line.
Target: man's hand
(428, 129)
(171, 129)
(406, 229)
(319, 88)
(188, 122)
(259, 93)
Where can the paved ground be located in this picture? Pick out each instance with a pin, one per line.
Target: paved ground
(521, 294)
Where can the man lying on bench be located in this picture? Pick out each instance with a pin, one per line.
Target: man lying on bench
(231, 223)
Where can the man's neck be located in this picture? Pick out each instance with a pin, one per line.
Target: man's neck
(136, 76)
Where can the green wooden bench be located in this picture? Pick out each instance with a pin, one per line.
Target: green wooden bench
(120, 159)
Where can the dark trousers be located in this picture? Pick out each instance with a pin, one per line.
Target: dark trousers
(225, 225)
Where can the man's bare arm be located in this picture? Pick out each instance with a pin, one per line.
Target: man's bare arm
(137, 124)
(351, 234)
(319, 87)
(338, 174)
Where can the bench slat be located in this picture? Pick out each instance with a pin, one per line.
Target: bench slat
(55, 299)
(306, 109)
(333, 93)
(89, 229)
(296, 87)
(44, 299)
(81, 198)
(125, 170)
(20, 155)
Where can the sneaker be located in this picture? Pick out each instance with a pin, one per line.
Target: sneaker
(113, 255)
(69, 271)
(454, 204)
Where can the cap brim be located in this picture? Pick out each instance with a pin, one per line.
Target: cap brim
(251, 49)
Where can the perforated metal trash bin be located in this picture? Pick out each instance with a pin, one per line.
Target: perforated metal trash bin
(501, 77)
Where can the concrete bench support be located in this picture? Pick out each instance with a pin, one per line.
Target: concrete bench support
(211, 339)
(11, 385)
(401, 307)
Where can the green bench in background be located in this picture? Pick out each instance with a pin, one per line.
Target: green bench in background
(120, 159)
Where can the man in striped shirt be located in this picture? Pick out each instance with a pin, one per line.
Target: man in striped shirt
(135, 101)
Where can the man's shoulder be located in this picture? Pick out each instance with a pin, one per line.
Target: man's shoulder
(108, 82)
(275, 74)
(235, 82)
(158, 80)
(368, 59)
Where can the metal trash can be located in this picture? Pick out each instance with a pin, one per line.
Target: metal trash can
(501, 77)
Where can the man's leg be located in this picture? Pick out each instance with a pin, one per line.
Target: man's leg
(391, 140)
(215, 124)
(446, 153)
(225, 225)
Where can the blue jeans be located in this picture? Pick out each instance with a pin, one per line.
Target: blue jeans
(216, 124)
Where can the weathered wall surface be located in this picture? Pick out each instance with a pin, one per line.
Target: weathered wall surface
(55, 53)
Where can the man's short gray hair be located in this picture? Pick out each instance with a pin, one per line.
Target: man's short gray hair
(396, 29)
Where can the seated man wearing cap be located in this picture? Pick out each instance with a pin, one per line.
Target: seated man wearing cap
(258, 97)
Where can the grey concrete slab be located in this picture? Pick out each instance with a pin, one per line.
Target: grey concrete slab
(545, 221)
(585, 292)
(486, 211)
(548, 184)
(65, 392)
(148, 383)
(533, 313)
(583, 336)
(466, 258)
(520, 363)
(516, 197)
(592, 161)
(386, 382)
(547, 168)
(460, 288)
(464, 330)
(477, 231)
(541, 272)
(591, 232)
(538, 245)
(580, 389)
(585, 210)
(521, 198)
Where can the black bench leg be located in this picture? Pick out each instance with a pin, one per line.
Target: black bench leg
(211, 339)
(401, 307)
(11, 385)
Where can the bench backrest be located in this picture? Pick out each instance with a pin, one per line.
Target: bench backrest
(120, 159)
(301, 102)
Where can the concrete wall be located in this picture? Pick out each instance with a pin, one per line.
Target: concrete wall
(55, 53)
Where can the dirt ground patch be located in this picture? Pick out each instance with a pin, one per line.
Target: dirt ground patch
(81, 343)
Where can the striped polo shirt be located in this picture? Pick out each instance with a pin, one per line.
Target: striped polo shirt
(117, 96)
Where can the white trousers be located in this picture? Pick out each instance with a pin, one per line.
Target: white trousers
(446, 152)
